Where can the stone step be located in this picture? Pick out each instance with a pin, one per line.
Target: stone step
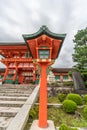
(11, 103)
(13, 98)
(14, 86)
(21, 118)
(17, 86)
(15, 91)
(4, 122)
(8, 111)
(14, 94)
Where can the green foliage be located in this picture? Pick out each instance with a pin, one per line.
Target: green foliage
(86, 84)
(33, 114)
(65, 127)
(70, 73)
(53, 99)
(59, 116)
(69, 106)
(61, 97)
(84, 74)
(85, 98)
(80, 53)
(68, 83)
(75, 97)
(85, 112)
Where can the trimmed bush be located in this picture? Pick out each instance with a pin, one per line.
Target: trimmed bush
(85, 112)
(75, 97)
(65, 127)
(85, 98)
(61, 97)
(69, 106)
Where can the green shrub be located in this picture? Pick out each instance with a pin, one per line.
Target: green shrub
(75, 97)
(85, 98)
(63, 127)
(61, 97)
(69, 106)
(85, 112)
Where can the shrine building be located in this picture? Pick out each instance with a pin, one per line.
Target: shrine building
(18, 62)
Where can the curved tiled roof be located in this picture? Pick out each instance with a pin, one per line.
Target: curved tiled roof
(60, 70)
(44, 30)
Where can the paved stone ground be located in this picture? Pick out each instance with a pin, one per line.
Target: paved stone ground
(12, 98)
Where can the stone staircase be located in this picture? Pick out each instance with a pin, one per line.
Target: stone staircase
(12, 98)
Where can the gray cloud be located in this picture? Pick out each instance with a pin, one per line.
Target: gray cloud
(26, 16)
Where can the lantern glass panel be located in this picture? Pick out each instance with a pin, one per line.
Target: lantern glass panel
(44, 54)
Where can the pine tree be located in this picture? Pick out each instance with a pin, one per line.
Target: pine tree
(80, 52)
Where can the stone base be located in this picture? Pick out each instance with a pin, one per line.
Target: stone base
(35, 126)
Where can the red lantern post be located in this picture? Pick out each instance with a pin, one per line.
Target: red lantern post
(44, 46)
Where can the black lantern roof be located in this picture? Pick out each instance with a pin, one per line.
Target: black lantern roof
(44, 30)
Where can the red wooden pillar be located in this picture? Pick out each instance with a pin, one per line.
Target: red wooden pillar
(15, 75)
(34, 75)
(6, 72)
(43, 97)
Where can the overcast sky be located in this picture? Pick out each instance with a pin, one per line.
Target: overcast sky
(19, 17)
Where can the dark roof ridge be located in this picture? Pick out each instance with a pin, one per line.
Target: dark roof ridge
(44, 30)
